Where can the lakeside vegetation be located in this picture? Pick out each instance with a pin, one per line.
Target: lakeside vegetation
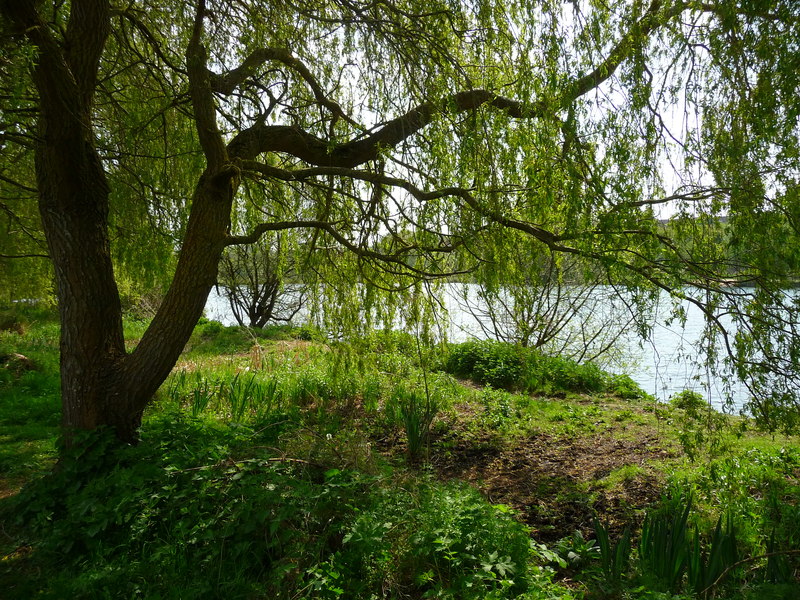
(275, 464)
(346, 159)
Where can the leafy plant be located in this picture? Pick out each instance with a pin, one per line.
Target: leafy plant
(577, 551)
(614, 559)
(467, 546)
(498, 406)
(625, 387)
(705, 568)
(498, 364)
(416, 412)
(663, 547)
(689, 400)
(508, 366)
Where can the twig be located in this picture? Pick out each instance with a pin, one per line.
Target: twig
(745, 561)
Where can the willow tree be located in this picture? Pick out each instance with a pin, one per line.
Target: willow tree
(413, 140)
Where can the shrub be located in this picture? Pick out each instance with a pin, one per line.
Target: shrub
(179, 512)
(497, 364)
(500, 407)
(689, 401)
(12, 322)
(439, 541)
(556, 373)
(624, 387)
(509, 366)
(196, 508)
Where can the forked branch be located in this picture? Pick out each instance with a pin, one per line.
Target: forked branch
(225, 83)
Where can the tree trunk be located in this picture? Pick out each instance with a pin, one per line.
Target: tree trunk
(73, 204)
(101, 385)
(148, 366)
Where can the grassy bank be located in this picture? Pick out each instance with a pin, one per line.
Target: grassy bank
(275, 465)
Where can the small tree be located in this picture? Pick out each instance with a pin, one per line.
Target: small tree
(261, 282)
(559, 307)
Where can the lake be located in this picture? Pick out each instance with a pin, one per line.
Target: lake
(664, 364)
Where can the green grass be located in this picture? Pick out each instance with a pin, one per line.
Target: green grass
(29, 409)
(278, 467)
(622, 475)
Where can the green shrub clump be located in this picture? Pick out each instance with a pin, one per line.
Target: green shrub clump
(513, 367)
(497, 364)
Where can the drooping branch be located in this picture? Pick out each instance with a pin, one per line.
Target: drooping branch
(463, 194)
(653, 271)
(309, 148)
(128, 15)
(362, 251)
(632, 40)
(295, 141)
(225, 83)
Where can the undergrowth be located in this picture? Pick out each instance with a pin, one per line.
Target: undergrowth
(202, 510)
(263, 472)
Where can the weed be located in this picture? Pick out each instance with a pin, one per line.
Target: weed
(614, 559)
(706, 568)
(264, 483)
(577, 551)
(499, 407)
(416, 411)
(663, 547)
(622, 475)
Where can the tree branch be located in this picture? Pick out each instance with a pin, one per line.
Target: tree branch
(201, 95)
(128, 15)
(52, 76)
(87, 30)
(295, 141)
(13, 256)
(309, 148)
(361, 251)
(539, 233)
(619, 53)
(19, 185)
(226, 83)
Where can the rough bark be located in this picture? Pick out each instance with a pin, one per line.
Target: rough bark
(73, 204)
(101, 385)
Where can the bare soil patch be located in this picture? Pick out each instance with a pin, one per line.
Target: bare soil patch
(555, 484)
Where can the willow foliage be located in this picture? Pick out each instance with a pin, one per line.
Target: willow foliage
(399, 143)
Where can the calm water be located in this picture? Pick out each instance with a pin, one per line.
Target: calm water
(668, 361)
(663, 365)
